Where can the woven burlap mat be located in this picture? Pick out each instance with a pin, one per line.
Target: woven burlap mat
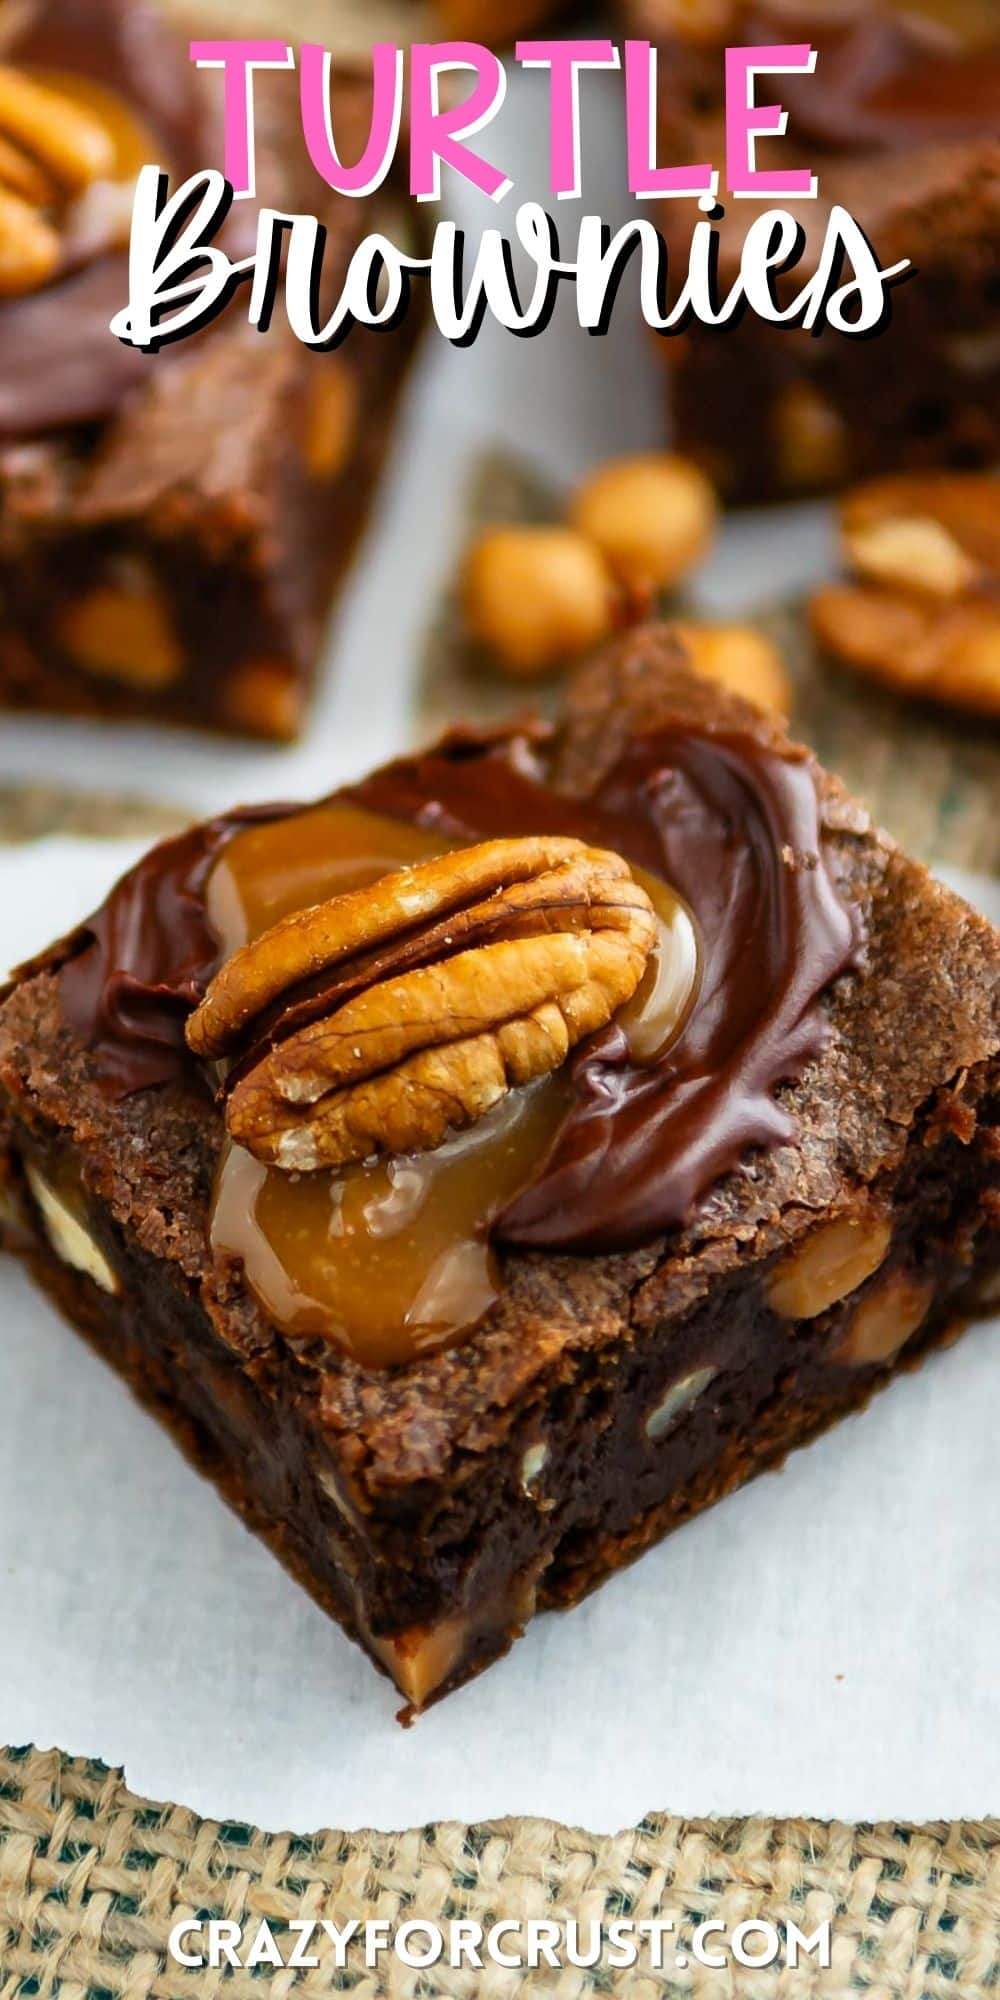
(92, 1880)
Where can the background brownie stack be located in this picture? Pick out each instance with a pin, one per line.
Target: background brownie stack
(900, 122)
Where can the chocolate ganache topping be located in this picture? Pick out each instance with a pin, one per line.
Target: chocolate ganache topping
(888, 76)
(59, 364)
(730, 822)
(143, 961)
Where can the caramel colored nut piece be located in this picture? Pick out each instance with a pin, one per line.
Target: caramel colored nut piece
(536, 597)
(964, 506)
(924, 615)
(122, 631)
(331, 418)
(455, 980)
(914, 552)
(61, 144)
(422, 1659)
(29, 246)
(968, 675)
(22, 175)
(911, 644)
(740, 659)
(72, 1243)
(832, 1261)
(131, 141)
(652, 517)
(680, 1397)
(810, 439)
(264, 698)
(71, 142)
(885, 1319)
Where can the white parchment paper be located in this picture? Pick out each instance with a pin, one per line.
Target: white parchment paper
(825, 1642)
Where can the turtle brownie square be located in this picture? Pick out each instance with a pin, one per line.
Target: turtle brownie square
(900, 125)
(487, 1167)
(172, 525)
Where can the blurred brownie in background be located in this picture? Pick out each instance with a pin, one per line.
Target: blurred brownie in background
(901, 124)
(171, 525)
(495, 22)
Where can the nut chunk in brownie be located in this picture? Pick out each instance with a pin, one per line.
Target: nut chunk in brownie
(485, 1168)
(171, 524)
(900, 124)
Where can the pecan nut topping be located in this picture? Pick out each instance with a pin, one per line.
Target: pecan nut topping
(53, 147)
(381, 1020)
(921, 611)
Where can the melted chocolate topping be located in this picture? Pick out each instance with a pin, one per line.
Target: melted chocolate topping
(730, 823)
(143, 961)
(59, 364)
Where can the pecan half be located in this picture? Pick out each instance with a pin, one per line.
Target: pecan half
(922, 611)
(52, 148)
(71, 144)
(401, 1011)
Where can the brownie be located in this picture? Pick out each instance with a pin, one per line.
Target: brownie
(721, 1242)
(899, 123)
(172, 525)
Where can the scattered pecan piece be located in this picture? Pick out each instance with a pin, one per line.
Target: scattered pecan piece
(72, 144)
(740, 658)
(440, 987)
(52, 148)
(922, 612)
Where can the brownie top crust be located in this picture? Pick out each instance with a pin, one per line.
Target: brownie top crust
(899, 1027)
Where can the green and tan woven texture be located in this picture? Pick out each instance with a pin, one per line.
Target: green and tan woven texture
(92, 1879)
